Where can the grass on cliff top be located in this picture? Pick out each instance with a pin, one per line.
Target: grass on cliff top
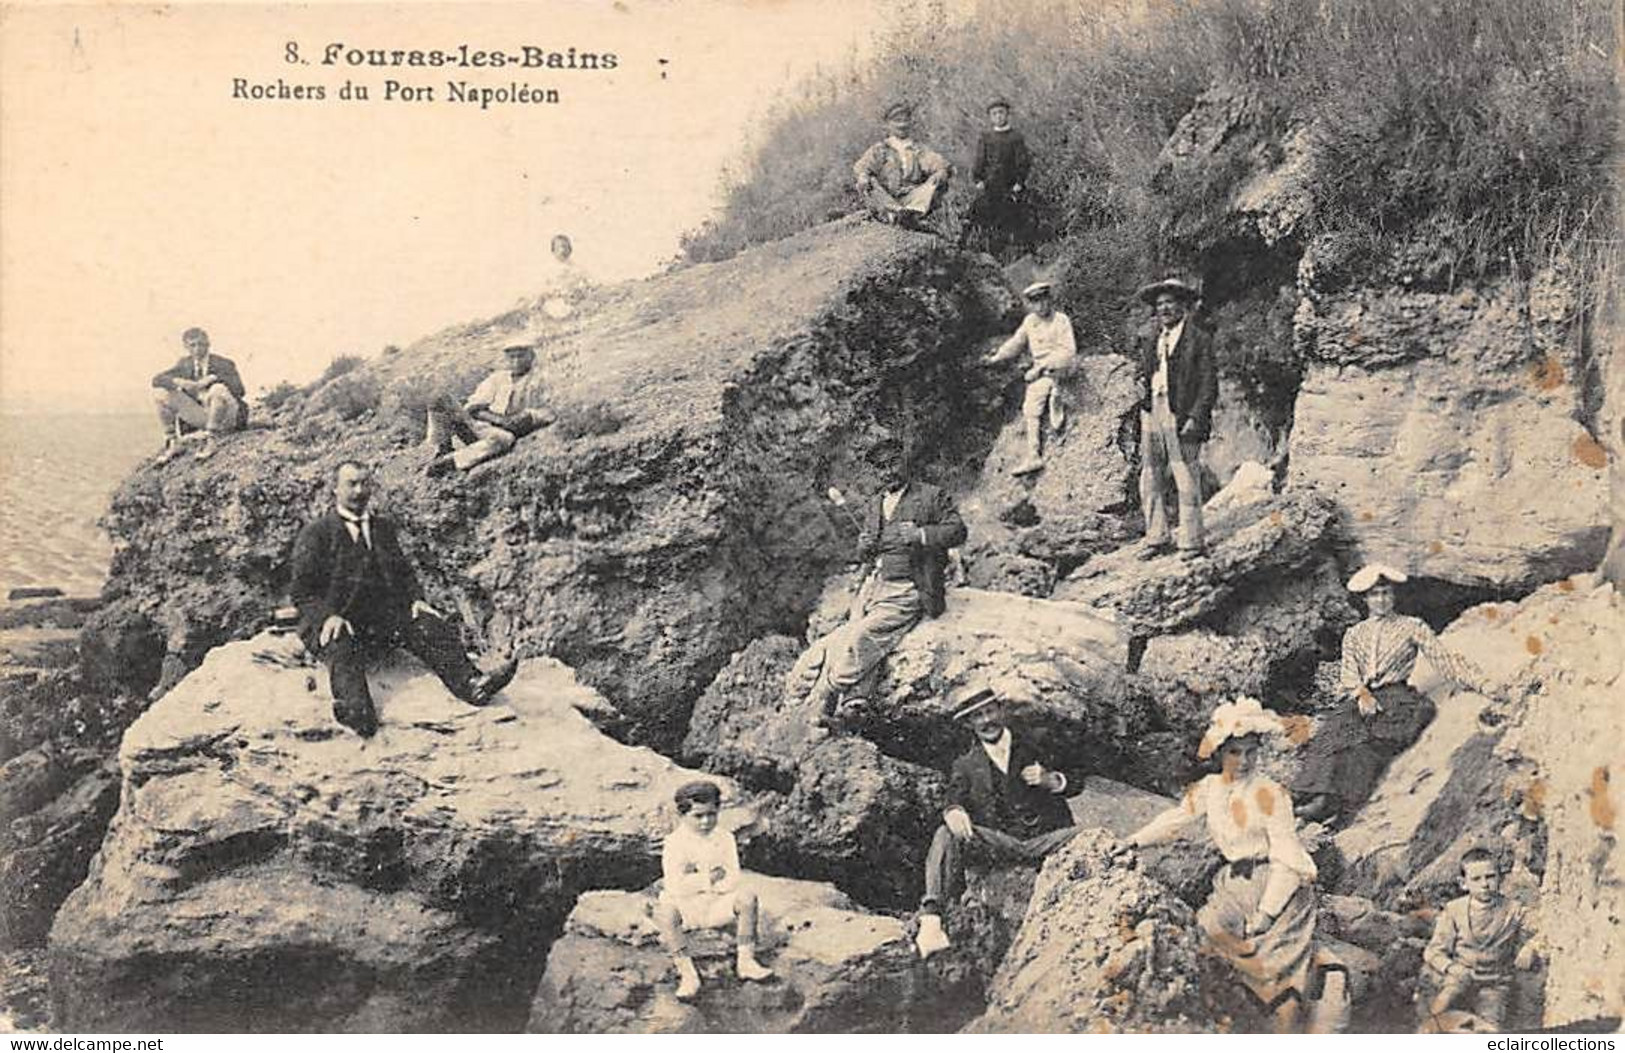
(1482, 129)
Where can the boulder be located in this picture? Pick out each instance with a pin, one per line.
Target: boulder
(835, 808)
(268, 870)
(839, 971)
(1246, 547)
(49, 838)
(1087, 468)
(1447, 427)
(1104, 948)
(675, 513)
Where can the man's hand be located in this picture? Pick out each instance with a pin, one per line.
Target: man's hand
(903, 533)
(980, 185)
(958, 823)
(420, 608)
(1036, 774)
(1188, 429)
(1015, 188)
(1525, 959)
(331, 629)
(1034, 373)
(1366, 701)
(1257, 924)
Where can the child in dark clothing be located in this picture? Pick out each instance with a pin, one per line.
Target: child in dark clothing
(1003, 164)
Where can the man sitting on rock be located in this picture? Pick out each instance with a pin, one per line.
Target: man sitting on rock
(907, 532)
(507, 406)
(359, 598)
(1004, 807)
(898, 179)
(1179, 386)
(200, 392)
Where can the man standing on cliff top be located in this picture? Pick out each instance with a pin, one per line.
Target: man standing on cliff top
(1179, 385)
(201, 391)
(904, 536)
(1003, 165)
(899, 179)
(359, 598)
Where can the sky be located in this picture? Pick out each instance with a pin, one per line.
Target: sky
(138, 197)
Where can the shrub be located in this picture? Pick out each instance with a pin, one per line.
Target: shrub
(280, 396)
(340, 365)
(1479, 130)
(574, 420)
(349, 396)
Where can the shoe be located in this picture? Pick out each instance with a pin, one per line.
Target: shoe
(1153, 549)
(168, 453)
(204, 451)
(1029, 466)
(931, 938)
(750, 969)
(486, 686)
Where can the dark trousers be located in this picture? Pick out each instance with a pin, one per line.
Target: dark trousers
(434, 641)
(999, 219)
(945, 863)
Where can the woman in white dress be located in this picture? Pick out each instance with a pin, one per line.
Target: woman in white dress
(1260, 916)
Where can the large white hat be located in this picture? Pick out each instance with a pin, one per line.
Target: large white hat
(1372, 573)
(1244, 716)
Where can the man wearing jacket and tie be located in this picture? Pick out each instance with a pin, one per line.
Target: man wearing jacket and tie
(904, 537)
(1005, 806)
(1179, 386)
(359, 598)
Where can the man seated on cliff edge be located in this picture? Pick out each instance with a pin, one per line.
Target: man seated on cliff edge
(899, 180)
(201, 392)
(507, 406)
(906, 533)
(1004, 807)
(359, 598)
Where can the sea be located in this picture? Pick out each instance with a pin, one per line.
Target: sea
(57, 474)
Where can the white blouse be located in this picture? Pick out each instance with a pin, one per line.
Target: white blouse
(1250, 818)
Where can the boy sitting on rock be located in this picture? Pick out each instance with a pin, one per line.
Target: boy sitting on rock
(1047, 335)
(700, 864)
(1478, 941)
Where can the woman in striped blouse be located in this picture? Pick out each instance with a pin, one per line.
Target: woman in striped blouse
(1380, 714)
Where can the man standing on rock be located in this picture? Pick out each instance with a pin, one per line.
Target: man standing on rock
(359, 598)
(507, 406)
(1004, 807)
(1179, 386)
(200, 392)
(906, 533)
(899, 179)
(1003, 164)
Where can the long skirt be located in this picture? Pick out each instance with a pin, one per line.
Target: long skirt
(1349, 753)
(1275, 965)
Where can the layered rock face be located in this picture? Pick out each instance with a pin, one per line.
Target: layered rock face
(839, 970)
(267, 870)
(1445, 426)
(675, 513)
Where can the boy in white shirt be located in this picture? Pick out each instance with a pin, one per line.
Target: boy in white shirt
(1047, 335)
(700, 864)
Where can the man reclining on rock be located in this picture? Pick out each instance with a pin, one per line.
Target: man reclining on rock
(359, 598)
(507, 406)
(906, 532)
(1004, 807)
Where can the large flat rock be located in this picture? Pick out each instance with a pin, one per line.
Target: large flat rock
(268, 870)
(839, 970)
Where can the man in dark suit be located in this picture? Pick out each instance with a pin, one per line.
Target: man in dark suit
(358, 598)
(1003, 165)
(1179, 384)
(1004, 806)
(200, 392)
(906, 533)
